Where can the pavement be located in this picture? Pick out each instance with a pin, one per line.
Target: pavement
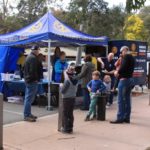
(94, 135)
(14, 112)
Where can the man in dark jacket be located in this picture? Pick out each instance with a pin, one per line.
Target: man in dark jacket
(125, 86)
(32, 76)
(86, 76)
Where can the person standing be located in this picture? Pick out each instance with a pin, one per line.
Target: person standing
(85, 76)
(32, 77)
(109, 68)
(125, 86)
(60, 66)
(68, 90)
(54, 59)
(95, 86)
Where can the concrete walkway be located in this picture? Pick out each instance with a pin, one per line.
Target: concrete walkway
(94, 135)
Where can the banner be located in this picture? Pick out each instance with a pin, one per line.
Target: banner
(139, 52)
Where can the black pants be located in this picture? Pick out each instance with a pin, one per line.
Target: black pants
(68, 118)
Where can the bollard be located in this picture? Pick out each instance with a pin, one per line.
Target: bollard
(1, 121)
(101, 108)
(60, 111)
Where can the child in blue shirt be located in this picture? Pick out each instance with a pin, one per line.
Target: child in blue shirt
(95, 86)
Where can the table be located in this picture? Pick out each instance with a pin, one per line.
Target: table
(19, 86)
(15, 87)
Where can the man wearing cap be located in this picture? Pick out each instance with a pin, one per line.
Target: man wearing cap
(124, 87)
(31, 76)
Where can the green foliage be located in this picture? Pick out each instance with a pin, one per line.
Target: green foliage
(134, 4)
(145, 16)
(31, 10)
(134, 28)
(95, 16)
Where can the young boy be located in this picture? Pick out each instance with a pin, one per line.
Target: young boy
(95, 86)
(68, 90)
(107, 83)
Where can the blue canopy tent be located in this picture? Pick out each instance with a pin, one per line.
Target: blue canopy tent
(50, 29)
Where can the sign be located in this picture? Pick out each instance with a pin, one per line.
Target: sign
(139, 52)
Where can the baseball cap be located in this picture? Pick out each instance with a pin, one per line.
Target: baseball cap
(124, 47)
(35, 48)
(70, 70)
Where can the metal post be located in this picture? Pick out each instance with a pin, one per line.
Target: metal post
(60, 111)
(1, 121)
(79, 50)
(49, 107)
(79, 55)
(107, 50)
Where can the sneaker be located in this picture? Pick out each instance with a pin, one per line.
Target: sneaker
(87, 118)
(126, 120)
(94, 117)
(117, 122)
(32, 116)
(29, 119)
(107, 107)
(108, 104)
(66, 131)
(84, 109)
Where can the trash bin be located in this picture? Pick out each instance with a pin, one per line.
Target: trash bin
(101, 107)
(1, 121)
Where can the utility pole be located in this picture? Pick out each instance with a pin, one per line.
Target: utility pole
(79, 50)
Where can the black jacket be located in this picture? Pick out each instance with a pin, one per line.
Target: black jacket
(127, 67)
(32, 69)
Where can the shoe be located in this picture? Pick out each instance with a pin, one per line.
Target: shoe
(94, 117)
(87, 118)
(32, 116)
(84, 109)
(29, 119)
(126, 120)
(108, 104)
(66, 131)
(117, 122)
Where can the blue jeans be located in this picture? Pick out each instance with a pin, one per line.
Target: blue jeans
(124, 99)
(30, 93)
(111, 97)
(86, 98)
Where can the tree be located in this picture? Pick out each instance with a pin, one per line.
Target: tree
(30, 10)
(134, 28)
(145, 16)
(134, 4)
(96, 17)
(84, 12)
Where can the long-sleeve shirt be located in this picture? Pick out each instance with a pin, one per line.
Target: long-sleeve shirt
(127, 67)
(96, 85)
(32, 69)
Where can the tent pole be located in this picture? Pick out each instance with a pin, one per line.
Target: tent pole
(49, 107)
(79, 50)
(79, 55)
(106, 50)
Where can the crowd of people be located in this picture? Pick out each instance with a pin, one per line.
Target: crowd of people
(93, 82)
